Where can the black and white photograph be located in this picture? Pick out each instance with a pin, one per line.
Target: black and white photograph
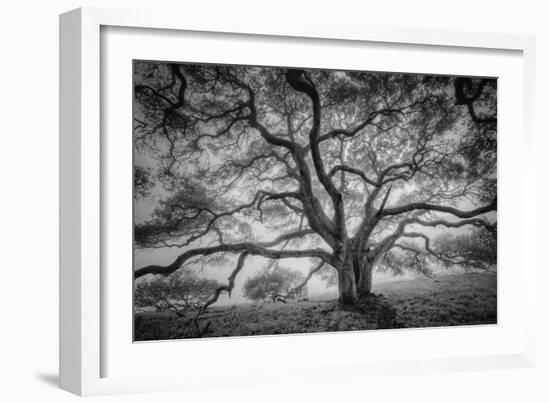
(271, 200)
(298, 201)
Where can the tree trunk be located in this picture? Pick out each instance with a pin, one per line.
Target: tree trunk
(347, 287)
(364, 283)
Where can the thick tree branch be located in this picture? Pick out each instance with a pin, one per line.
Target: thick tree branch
(255, 249)
(230, 284)
(462, 99)
(300, 82)
(443, 209)
(312, 207)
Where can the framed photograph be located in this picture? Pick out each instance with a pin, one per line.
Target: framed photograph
(238, 191)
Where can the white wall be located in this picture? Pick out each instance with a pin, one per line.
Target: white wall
(29, 212)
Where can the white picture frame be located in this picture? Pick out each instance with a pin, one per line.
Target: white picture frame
(84, 343)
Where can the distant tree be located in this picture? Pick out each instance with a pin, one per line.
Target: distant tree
(341, 166)
(274, 282)
(476, 249)
(182, 292)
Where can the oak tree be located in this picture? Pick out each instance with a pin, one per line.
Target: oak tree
(343, 170)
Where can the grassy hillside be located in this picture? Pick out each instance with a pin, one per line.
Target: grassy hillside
(465, 299)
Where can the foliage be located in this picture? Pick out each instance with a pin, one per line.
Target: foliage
(182, 291)
(398, 261)
(475, 249)
(142, 182)
(273, 281)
